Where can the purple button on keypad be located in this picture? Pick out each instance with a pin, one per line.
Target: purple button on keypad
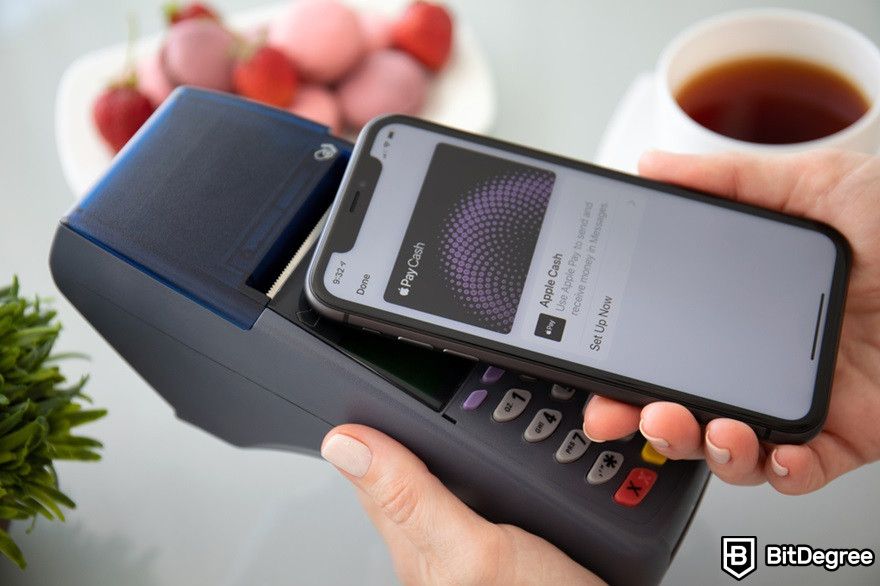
(492, 375)
(474, 400)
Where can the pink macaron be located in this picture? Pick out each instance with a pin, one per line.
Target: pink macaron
(317, 103)
(152, 80)
(377, 30)
(323, 38)
(199, 52)
(387, 81)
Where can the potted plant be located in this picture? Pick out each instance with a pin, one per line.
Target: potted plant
(38, 413)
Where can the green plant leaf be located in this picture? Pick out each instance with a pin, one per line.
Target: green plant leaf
(27, 336)
(68, 453)
(43, 496)
(12, 513)
(11, 551)
(75, 441)
(85, 416)
(13, 418)
(22, 435)
(38, 507)
(67, 356)
(38, 408)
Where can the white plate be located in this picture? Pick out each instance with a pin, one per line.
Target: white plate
(462, 95)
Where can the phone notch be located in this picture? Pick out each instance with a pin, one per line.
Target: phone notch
(356, 200)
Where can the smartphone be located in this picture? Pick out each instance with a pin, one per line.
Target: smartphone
(622, 286)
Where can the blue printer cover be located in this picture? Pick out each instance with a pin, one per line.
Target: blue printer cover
(211, 195)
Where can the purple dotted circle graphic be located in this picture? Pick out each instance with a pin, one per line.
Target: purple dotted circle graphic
(487, 242)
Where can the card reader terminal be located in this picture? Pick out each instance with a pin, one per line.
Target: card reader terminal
(189, 256)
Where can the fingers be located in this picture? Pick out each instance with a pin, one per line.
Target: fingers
(795, 469)
(433, 536)
(672, 430)
(395, 483)
(734, 453)
(606, 419)
(789, 183)
(731, 175)
(809, 467)
(731, 448)
(402, 551)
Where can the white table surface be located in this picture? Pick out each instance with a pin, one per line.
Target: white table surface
(170, 504)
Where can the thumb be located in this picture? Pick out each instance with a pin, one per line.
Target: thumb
(793, 183)
(398, 487)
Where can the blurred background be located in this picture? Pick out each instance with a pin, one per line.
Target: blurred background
(170, 504)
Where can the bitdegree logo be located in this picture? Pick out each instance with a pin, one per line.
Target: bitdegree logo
(805, 555)
(411, 273)
(739, 556)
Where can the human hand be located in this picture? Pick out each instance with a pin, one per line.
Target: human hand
(841, 189)
(433, 537)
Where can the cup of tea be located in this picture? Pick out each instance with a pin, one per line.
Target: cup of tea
(768, 80)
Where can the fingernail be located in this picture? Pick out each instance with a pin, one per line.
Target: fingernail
(657, 442)
(720, 455)
(594, 440)
(347, 454)
(778, 468)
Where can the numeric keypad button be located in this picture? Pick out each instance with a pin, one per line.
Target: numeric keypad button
(512, 404)
(605, 467)
(543, 424)
(573, 447)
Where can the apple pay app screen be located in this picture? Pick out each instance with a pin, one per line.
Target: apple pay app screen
(591, 271)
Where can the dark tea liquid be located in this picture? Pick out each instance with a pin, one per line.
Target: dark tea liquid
(772, 100)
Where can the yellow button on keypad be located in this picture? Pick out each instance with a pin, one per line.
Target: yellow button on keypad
(652, 456)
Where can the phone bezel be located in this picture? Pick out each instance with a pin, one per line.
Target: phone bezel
(544, 365)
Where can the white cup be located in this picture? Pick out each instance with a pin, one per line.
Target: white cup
(763, 32)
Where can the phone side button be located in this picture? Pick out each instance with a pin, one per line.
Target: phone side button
(460, 354)
(761, 432)
(415, 343)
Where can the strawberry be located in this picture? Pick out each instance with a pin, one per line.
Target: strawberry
(266, 75)
(175, 13)
(119, 111)
(425, 32)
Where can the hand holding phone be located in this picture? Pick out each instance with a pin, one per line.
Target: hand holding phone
(584, 276)
(842, 189)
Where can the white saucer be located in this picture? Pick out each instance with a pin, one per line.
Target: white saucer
(630, 130)
(462, 95)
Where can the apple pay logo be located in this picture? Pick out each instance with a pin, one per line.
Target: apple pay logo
(738, 556)
(550, 327)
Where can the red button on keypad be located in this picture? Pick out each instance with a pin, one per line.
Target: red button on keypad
(635, 487)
